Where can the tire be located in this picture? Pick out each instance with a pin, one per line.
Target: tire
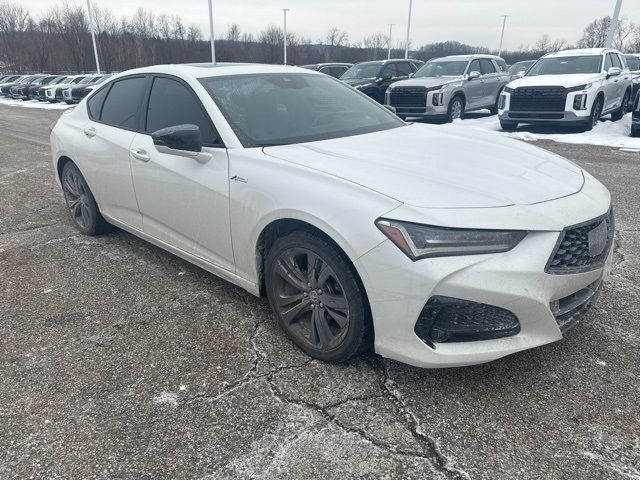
(508, 126)
(81, 203)
(596, 113)
(455, 110)
(494, 109)
(618, 114)
(635, 130)
(299, 297)
(374, 95)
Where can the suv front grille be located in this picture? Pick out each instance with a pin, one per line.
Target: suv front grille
(408, 97)
(579, 247)
(538, 99)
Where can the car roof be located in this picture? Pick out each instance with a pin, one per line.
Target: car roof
(581, 51)
(468, 57)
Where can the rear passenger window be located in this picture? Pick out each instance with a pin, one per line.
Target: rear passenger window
(404, 69)
(171, 104)
(122, 104)
(486, 66)
(94, 104)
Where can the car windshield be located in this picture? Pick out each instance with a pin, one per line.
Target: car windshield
(362, 70)
(287, 108)
(519, 67)
(85, 80)
(441, 69)
(566, 65)
(633, 62)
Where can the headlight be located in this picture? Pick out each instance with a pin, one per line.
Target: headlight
(579, 87)
(508, 90)
(424, 241)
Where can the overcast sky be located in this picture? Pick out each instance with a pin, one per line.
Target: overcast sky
(476, 22)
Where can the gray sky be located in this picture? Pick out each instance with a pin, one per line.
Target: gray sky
(475, 22)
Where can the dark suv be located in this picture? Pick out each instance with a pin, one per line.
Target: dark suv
(373, 78)
(334, 69)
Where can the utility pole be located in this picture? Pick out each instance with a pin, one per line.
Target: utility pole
(213, 44)
(504, 22)
(285, 10)
(389, 40)
(93, 36)
(406, 46)
(614, 24)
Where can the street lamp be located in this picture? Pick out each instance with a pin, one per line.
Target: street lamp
(406, 46)
(614, 24)
(504, 22)
(93, 36)
(284, 11)
(213, 46)
(389, 40)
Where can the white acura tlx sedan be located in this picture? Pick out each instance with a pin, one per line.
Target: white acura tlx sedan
(437, 245)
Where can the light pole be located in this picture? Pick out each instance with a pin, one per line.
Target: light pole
(93, 36)
(406, 46)
(389, 40)
(284, 11)
(213, 45)
(504, 22)
(614, 24)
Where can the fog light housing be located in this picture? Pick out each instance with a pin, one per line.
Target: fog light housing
(580, 102)
(502, 102)
(437, 98)
(446, 319)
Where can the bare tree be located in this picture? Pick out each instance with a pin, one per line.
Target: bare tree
(375, 43)
(595, 34)
(233, 34)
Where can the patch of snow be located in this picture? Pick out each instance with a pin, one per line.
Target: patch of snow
(602, 363)
(34, 104)
(606, 133)
(166, 398)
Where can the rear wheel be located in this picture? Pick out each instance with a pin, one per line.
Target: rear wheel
(596, 113)
(508, 126)
(456, 109)
(80, 202)
(494, 109)
(316, 297)
(635, 130)
(618, 114)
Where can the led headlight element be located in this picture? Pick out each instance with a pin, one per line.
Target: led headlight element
(424, 241)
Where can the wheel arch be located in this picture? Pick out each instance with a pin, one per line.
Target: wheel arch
(461, 94)
(61, 161)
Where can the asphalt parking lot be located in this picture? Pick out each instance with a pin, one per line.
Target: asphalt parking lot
(119, 360)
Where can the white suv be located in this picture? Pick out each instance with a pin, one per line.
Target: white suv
(568, 87)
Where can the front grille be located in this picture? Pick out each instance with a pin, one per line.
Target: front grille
(446, 319)
(408, 97)
(538, 99)
(579, 248)
(570, 310)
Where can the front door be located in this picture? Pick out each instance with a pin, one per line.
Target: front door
(184, 201)
(474, 88)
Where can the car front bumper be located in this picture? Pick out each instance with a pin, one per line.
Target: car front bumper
(399, 288)
(569, 118)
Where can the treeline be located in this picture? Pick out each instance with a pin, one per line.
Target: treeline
(59, 41)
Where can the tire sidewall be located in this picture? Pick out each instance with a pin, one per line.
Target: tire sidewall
(354, 341)
(456, 98)
(93, 207)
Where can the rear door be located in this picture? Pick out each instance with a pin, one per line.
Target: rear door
(491, 83)
(184, 201)
(113, 120)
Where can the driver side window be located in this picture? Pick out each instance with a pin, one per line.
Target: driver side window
(390, 71)
(607, 62)
(474, 67)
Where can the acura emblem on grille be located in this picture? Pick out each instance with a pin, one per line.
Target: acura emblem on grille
(598, 239)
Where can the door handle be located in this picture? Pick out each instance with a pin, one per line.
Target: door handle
(140, 154)
(90, 131)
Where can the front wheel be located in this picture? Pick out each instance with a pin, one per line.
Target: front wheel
(596, 113)
(508, 126)
(635, 130)
(316, 297)
(455, 110)
(618, 114)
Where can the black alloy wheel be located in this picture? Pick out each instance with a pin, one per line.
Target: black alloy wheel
(80, 202)
(596, 113)
(316, 297)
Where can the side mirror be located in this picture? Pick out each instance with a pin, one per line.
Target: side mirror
(473, 75)
(391, 108)
(614, 72)
(412, 74)
(184, 140)
(385, 77)
(521, 73)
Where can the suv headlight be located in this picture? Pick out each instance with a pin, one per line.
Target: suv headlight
(425, 241)
(579, 87)
(508, 89)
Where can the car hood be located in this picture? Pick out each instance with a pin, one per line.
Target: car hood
(566, 81)
(426, 82)
(354, 82)
(441, 166)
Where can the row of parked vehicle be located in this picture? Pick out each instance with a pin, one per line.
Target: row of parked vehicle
(50, 88)
(575, 87)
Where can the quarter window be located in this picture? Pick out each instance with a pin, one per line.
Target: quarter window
(486, 66)
(94, 104)
(122, 104)
(171, 104)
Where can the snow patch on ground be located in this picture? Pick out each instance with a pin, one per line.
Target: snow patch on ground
(166, 398)
(33, 104)
(607, 133)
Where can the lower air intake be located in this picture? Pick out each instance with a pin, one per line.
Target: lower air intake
(446, 319)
